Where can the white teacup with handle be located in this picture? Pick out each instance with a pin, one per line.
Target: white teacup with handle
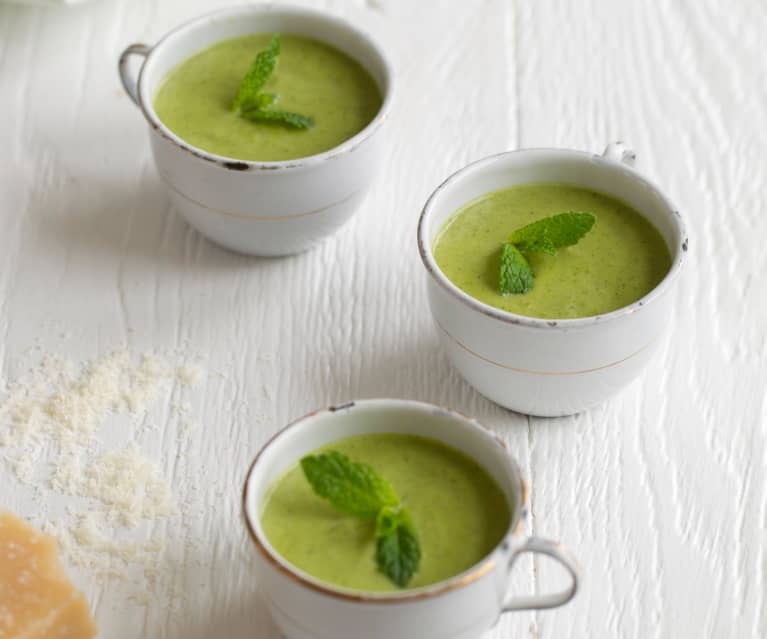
(261, 208)
(550, 367)
(462, 607)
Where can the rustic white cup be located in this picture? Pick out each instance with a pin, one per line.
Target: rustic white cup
(261, 208)
(539, 366)
(461, 607)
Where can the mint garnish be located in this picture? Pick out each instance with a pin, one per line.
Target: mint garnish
(551, 233)
(351, 487)
(252, 104)
(516, 274)
(398, 552)
(546, 235)
(258, 75)
(356, 489)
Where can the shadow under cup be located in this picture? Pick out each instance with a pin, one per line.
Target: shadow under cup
(542, 366)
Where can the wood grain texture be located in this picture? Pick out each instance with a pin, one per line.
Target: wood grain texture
(661, 493)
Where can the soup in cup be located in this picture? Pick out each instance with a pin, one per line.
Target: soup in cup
(430, 455)
(260, 186)
(592, 314)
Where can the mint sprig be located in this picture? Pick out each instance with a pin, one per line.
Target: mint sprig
(253, 104)
(546, 235)
(356, 489)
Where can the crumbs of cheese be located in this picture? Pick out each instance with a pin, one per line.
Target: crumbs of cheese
(67, 408)
(130, 486)
(37, 601)
(189, 374)
(88, 534)
(110, 384)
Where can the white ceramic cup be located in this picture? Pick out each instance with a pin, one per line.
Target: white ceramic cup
(261, 208)
(461, 607)
(539, 366)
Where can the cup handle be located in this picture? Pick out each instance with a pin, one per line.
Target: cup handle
(553, 600)
(127, 78)
(619, 152)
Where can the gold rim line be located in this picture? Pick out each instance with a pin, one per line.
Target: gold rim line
(254, 218)
(544, 373)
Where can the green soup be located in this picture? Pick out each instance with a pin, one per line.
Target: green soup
(311, 78)
(460, 513)
(620, 260)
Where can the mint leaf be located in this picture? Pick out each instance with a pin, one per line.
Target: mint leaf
(516, 275)
(551, 233)
(351, 487)
(283, 117)
(258, 74)
(398, 551)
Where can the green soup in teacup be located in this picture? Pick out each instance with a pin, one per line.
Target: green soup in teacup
(458, 509)
(311, 78)
(621, 259)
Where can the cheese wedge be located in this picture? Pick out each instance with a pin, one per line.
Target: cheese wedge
(37, 601)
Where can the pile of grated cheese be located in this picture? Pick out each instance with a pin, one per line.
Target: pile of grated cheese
(53, 427)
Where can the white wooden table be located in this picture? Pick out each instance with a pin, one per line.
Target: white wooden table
(661, 493)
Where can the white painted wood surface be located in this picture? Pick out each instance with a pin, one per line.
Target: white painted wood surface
(662, 492)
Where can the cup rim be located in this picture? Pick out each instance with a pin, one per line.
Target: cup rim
(232, 163)
(427, 255)
(465, 578)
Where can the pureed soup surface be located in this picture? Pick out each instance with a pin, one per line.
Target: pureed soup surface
(620, 260)
(460, 513)
(311, 78)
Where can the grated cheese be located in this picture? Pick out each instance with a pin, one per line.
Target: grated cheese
(189, 374)
(131, 486)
